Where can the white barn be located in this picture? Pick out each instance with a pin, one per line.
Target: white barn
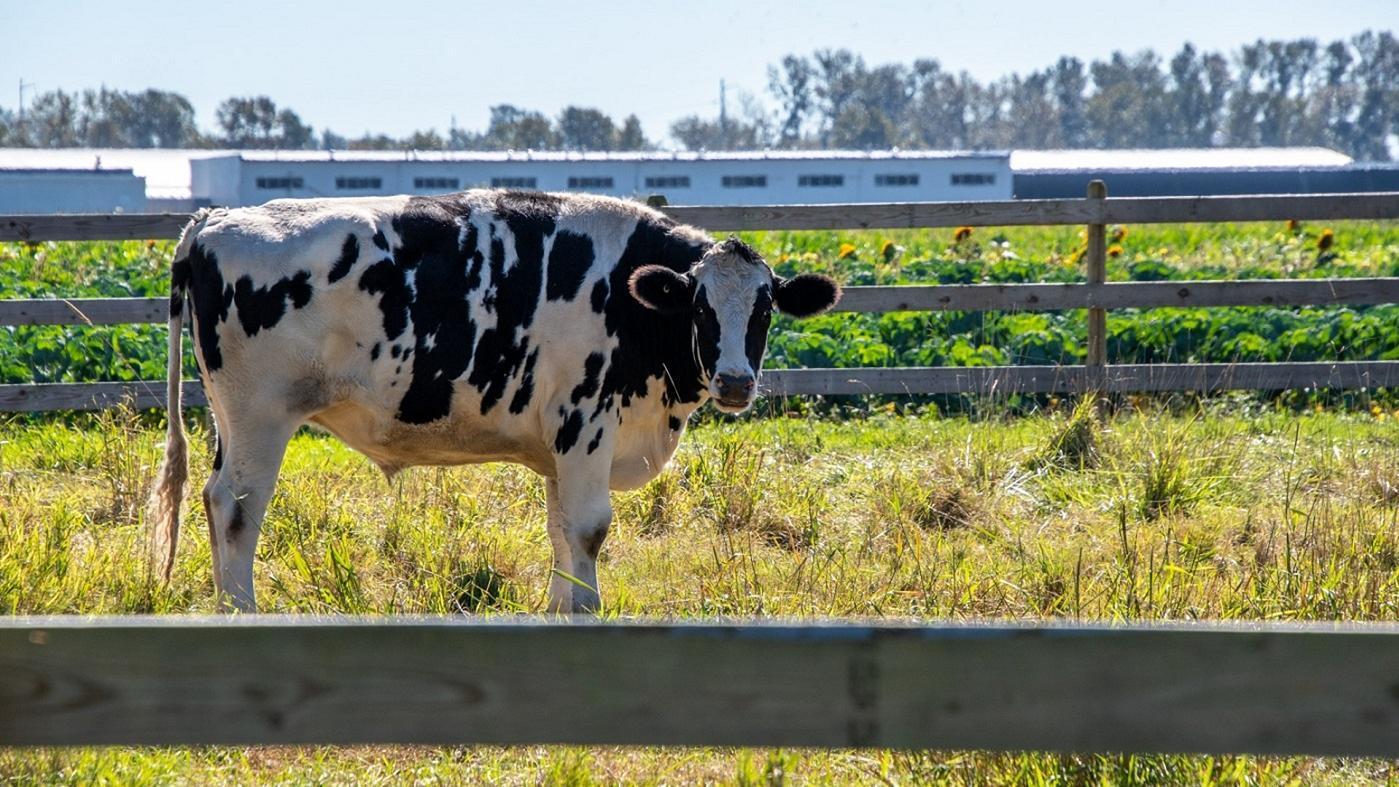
(729, 178)
(45, 180)
(58, 190)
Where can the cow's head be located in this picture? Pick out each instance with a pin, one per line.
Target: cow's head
(729, 296)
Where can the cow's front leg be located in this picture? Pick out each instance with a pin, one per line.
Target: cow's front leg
(580, 513)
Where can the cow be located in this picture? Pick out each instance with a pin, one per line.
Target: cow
(573, 334)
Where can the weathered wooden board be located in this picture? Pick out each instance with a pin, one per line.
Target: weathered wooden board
(1201, 688)
(142, 395)
(83, 311)
(889, 215)
(91, 226)
(1117, 210)
(1003, 380)
(1120, 295)
(945, 297)
(990, 381)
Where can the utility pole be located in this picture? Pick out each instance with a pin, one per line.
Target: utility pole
(20, 123)
(724, 117)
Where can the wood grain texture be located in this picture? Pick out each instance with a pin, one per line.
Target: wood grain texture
(1005, 380)
(35, 397)
(1120, 295)
(991, 381)
(889, 215)
(944, 297)
(92, 226)
(1095, 273)
(83, 311)
(1263, 690)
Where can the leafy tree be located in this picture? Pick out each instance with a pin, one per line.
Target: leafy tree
(425, 140)
(631, 137)
(52, 120)
(585, 128)
(255, 122)
(512, 128)
(792, 87)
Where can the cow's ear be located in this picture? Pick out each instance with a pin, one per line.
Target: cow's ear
(662, 289)
(806, 295)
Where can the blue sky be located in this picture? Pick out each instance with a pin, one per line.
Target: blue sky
(394, 67)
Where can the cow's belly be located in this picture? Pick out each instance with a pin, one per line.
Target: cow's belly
(645, 444)
(394, 445)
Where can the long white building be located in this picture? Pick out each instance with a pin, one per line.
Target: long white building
(252, 177)
(38, 180)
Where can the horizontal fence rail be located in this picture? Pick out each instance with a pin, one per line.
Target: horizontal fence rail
(971, 380)
(890, 215)
(1203, 688)
(874, 299)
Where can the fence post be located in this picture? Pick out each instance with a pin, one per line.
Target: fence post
(1096, 261)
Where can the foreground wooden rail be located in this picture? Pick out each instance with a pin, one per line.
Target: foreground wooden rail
(1200, 688)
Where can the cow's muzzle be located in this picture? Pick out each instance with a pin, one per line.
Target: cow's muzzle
(734, 393)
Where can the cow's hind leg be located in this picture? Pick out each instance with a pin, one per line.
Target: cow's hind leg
(580, 513)
(235, 500)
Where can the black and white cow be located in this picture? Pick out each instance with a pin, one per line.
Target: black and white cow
(572, 334)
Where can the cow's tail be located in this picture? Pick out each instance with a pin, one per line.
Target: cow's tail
(163, 508)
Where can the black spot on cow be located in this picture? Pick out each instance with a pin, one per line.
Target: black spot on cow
(349, 253)
(381, 241)
(386, 280)
(733, 245)
(236, 524)
(595, 442)
(529, 204)
(673, 423)
(570, 259)
(395, 350)
(500, 352)
(592, 369)
(567, 435)
(650, 345)
(707, 333)
(179, 282)
(374, 352)
(755, 341)
(218, 452)
(447, 270)
(592, 543)
(525, 392)
(260, 308)
(211, 299)
(599, 298)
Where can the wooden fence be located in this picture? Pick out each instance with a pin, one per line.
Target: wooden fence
(1262, 689)
(1095, 295)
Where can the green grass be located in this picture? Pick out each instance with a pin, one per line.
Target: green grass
(1226, 511)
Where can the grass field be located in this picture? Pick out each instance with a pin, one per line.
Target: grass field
(1232, 510)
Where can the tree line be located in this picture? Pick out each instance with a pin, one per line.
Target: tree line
(1343, 95)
